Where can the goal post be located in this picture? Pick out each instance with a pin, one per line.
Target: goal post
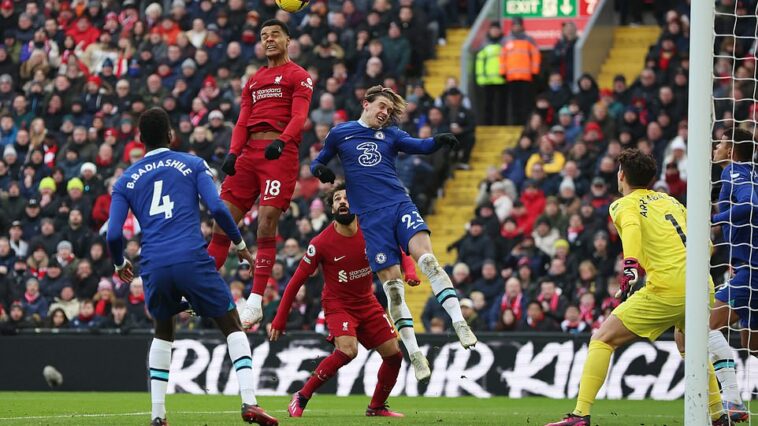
(700, 121)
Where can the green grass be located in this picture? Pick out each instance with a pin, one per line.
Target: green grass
(80, 408)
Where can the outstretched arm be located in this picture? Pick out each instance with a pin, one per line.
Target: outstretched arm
(740, 211)
(304, 270)
(239, 133)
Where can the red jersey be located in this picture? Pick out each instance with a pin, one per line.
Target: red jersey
(274, 99)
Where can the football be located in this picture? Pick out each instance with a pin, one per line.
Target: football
(292, 6)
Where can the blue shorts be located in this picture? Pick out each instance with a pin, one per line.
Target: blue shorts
(738, 294)
(388, 229)
(199, 282)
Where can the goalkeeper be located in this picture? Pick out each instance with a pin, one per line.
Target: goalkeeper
(652, 227)
(739, 224)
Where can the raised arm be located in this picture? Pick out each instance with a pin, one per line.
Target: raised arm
(304, 270)
(239, 133)
(412, 145)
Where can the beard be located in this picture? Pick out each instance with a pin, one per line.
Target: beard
(344, 219)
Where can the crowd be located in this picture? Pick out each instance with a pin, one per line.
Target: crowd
(74, 77)
(541, 253)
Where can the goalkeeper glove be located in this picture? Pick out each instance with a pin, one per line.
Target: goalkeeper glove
(446, 139)
(228, 165)
(274, 149)
(324, 174)
(630, 276)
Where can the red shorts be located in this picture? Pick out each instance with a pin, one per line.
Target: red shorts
(272, 180)
(369, 324)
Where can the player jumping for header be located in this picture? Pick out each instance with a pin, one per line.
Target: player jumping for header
(263, 156)
(739, 223)
(388, 218)
(352, 312)
(162, 190)
(652, 226)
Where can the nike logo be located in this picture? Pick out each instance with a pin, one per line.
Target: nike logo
(349, 137)
(417, 225)
(735, 175)
(266, 198)
(337, 259)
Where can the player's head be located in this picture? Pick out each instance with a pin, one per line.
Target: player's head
(736, 144)
(155, 128)
(275, 37)
(636, 170)
(382, 106)
(337, 200)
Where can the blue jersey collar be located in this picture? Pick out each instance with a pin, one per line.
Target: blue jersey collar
(157, 151)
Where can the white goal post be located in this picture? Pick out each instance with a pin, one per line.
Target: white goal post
(700, 119)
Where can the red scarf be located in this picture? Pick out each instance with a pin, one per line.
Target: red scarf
(101, 307)
(553, 301)
(514, 305)
(29, 298)
(586, 313)
(134, 300)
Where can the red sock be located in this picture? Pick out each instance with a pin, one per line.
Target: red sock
(219, 248)
(325, 371)
(387, 376)
(264, 263)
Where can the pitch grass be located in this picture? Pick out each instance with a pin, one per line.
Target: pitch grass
(81, 408)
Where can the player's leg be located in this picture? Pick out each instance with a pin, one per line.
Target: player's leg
(392, 360)
(721, 353)
(420, 248)
(218, 248)
(210, 297)
(401, 316)
(276, 183)
(159, 362)
(716, 407)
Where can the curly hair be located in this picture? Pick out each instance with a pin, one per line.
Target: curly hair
(640, 169)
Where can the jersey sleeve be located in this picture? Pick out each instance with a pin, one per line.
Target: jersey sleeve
(744, 203)
(239, 133)
(208, 194)
(118, 212)
(305, 269)
(405, 143)
(328, 151)
(302, 92)
(627, 222)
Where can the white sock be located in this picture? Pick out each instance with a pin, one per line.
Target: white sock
(441, 286)
(242, 361)
(159, 362)
(255, 301)
(722, 358)
(400, 314)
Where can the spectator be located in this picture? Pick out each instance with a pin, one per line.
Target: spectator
(489, 284)
(118, 318)
(519, 63)
(545, 236)
(511, 299)
(562, 61)
(474, 247)
(536, 320)
(86, 320)
(572, 322)
(461, 122)
(84, 281)
(135, 304)
(17, 320)
(57, 319)
(491, 83)
(471, 316)
(104, 298)
(54, 281)
(35, 305)
(552, 302)
(66, 302)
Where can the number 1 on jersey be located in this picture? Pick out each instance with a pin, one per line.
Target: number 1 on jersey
(678, 228)
(161, 204)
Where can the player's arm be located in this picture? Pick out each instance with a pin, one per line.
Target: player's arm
(409, 269)
(627, 221)
(740, 211)
(209, 196)
(115, 236)
(302, 92)
(318, 166)
(239, 133)
(305, 269)
(410, 145)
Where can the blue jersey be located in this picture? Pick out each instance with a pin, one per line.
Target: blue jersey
(163, 190)
(368, 158)
(738, 212)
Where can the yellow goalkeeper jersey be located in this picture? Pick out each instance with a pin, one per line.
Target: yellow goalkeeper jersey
(653, 229)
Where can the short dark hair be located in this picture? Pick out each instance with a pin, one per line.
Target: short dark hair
(118, 303)
(155, 128)
(276, 22)
(640, 169)
(743, 143)
(329, 199)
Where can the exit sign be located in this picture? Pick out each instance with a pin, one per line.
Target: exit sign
(541, 8)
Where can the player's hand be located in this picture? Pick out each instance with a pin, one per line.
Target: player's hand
(629, 277)
(274, 333)
(274, 149)
(324, 174)
(446, 139)
(412, 280)
(228, 165)
(244, 255)
(126, 272)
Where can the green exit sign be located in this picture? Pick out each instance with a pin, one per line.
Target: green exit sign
(541, 8)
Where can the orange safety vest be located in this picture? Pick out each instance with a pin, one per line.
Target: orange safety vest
(519, 59)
